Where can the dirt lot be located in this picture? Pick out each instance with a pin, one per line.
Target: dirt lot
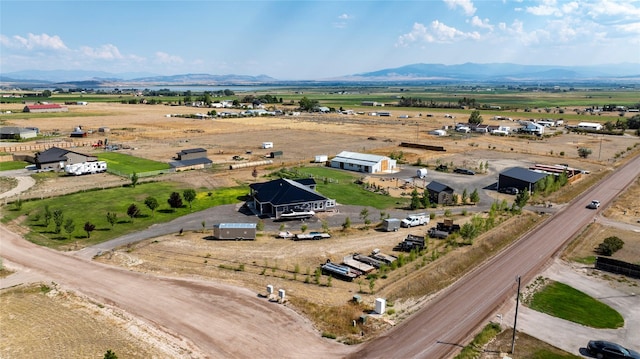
(283, 263)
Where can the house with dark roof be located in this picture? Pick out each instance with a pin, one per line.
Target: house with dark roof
(276, 197)
(440, 193)
(520, 178)
(56, 158)
(191, 159)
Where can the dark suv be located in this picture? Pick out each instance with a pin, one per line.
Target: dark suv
(464, 171)
(602, 349)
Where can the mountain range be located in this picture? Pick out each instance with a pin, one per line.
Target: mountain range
(414, 73)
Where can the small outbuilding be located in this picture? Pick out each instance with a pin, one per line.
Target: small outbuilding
(235, 231)
(17, 133)
(191, 159)
(45, 108)
(440, 193)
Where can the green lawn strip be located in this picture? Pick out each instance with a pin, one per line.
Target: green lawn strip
(473, 349)
(562, 301)
(92, 206)
(339, 185)
(13, 165)
(126, 164)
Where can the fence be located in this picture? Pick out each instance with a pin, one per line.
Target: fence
(33, 147)
(618, 267)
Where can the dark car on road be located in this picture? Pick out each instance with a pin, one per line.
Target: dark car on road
(464, 171)
(602, 349)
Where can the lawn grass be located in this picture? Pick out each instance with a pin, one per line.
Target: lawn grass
(92, 206)
(563, 301)
(341, 186)
(124, 164)
(13, 165)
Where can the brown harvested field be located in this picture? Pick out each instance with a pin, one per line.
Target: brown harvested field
(45, 321)
(268, 260)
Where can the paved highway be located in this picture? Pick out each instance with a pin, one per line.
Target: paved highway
(446, 323)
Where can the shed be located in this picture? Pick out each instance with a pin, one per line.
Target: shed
(237, 231)
(362, 162)
(520, 178)
(440, 193)
(191, 153)
(17, 133)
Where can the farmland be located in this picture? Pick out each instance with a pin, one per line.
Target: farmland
(152, 136)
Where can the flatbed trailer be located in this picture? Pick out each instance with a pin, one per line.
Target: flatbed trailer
(339, 271)
(360, 266)
(311, 235)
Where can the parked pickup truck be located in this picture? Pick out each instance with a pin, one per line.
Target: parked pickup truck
(311, 235)
(415, 220)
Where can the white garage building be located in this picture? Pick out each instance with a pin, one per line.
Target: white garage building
(362, 162)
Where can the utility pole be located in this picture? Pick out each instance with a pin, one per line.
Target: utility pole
(515, 320)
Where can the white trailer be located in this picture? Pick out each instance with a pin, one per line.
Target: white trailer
(84, 168)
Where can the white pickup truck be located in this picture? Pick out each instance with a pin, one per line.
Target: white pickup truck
(413, 220)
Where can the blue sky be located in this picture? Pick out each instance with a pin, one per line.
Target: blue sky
(306, 39)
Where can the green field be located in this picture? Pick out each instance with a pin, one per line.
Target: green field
(124, 164)
(563, 301)
(13, 165)
(92, 206)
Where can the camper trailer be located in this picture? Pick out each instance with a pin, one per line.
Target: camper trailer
(84, 168)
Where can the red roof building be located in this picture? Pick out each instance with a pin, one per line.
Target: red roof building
(45, 108)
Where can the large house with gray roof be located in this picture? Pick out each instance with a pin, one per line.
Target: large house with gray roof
(56, 158)
(276, 197)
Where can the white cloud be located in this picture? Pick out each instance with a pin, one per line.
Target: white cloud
(345, 17)
(164, 58)
(104, 52)
(483, 24)
(34, 42)
(436, 32)
(546, 8)
(466, 5)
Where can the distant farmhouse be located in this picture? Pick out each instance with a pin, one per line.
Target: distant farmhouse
(45, 108)
(362, 162)
(276, 197)
(190, 159)
(17, 133)
(56, 158)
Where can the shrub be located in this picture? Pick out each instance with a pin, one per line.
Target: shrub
(610, 246)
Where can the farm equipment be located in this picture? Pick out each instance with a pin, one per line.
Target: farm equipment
(412, 242)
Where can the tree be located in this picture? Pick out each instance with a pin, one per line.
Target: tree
(475, 197)
(426, 202)
(152, 204)
(89, 227)
(133, 211)
(415, 200)
(47, 215)
(175, 201)
(475, 118)
(364, 215)
(465, 196)
(189, 195)
(584, 152)
(254, 173)
(134, 179)
(307, 104)
(522, 198)
(346, 224)
(112, 218)
(46, 93)
(58, 218)
(110, 355)
(69, 226)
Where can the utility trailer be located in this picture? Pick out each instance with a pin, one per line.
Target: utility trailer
(85, 168)
(357, 265)
(234, 231)
(412, 242)
(391, 224)
(311, 235)
(368, 260)
(435, 233)
(387, 259)
(339, 271)
(448, 226)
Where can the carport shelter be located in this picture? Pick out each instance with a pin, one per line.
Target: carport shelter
(520, 178)
(439, 193)
(275, 197)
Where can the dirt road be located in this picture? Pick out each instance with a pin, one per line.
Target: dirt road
(219, 320)
(445, 324)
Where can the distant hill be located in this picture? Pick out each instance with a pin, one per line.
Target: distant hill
(468, 72)
(501, 72)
